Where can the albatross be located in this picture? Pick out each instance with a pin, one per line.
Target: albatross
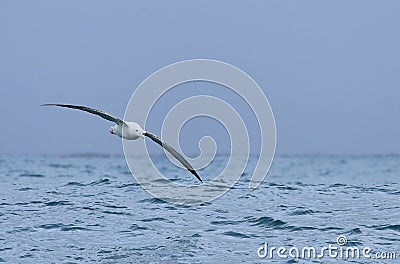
(131, 131)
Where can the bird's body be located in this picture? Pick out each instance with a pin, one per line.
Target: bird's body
(128, 130)
(131, 131)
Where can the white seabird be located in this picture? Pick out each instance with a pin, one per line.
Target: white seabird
(131, 131)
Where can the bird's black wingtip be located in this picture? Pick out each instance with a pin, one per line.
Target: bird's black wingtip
(197, 176)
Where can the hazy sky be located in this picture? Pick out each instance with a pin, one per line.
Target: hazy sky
(330, 69)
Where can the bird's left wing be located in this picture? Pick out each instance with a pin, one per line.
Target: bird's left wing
(100, 113)
(174, 153)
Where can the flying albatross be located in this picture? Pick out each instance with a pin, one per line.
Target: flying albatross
(131, 131)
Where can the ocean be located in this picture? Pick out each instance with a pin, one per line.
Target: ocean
(89, 209)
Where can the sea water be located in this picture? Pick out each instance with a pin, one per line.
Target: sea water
(89, 208)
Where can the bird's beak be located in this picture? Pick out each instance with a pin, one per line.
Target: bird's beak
(142, 135)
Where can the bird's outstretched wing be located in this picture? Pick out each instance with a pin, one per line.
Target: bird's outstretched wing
(174, 153)
(100, 113)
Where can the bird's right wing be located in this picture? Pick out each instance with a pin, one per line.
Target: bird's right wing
(174, 153)
(100, 113)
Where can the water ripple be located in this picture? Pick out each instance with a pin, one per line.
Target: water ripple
(62, 227)
(57, 203)
(266, 222)
(33, 175)
(236, 234)
(100, 182)
(155, 219)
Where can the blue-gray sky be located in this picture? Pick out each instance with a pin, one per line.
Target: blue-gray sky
(330, 69)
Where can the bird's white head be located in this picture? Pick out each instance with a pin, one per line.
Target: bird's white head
(113, 130)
